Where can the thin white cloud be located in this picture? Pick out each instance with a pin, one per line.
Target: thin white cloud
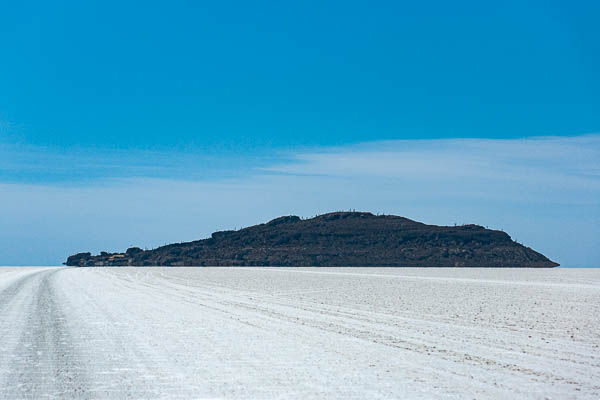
(574, 162)
(545, 192)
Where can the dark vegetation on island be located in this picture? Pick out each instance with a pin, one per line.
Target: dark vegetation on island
(336, 239)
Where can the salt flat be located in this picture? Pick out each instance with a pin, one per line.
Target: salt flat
(299, 333)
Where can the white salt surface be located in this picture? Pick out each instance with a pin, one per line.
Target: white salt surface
(299, 333)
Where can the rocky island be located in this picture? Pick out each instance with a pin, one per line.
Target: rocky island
(336, 239)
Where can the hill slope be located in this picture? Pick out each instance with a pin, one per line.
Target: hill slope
(337, 239)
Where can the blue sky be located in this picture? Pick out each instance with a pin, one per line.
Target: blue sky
(182, 104)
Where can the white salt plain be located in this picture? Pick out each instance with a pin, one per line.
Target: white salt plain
(299, 333)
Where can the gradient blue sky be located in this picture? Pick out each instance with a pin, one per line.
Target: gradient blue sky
(214, 100)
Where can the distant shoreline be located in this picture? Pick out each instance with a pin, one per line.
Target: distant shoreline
(338, 239)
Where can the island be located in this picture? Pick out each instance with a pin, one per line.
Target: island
(338, 239)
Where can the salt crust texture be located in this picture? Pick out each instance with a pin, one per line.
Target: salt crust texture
(299, 333)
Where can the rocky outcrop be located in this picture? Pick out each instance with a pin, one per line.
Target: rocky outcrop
(337, 239)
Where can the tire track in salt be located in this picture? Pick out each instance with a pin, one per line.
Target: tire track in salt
(45, 364)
